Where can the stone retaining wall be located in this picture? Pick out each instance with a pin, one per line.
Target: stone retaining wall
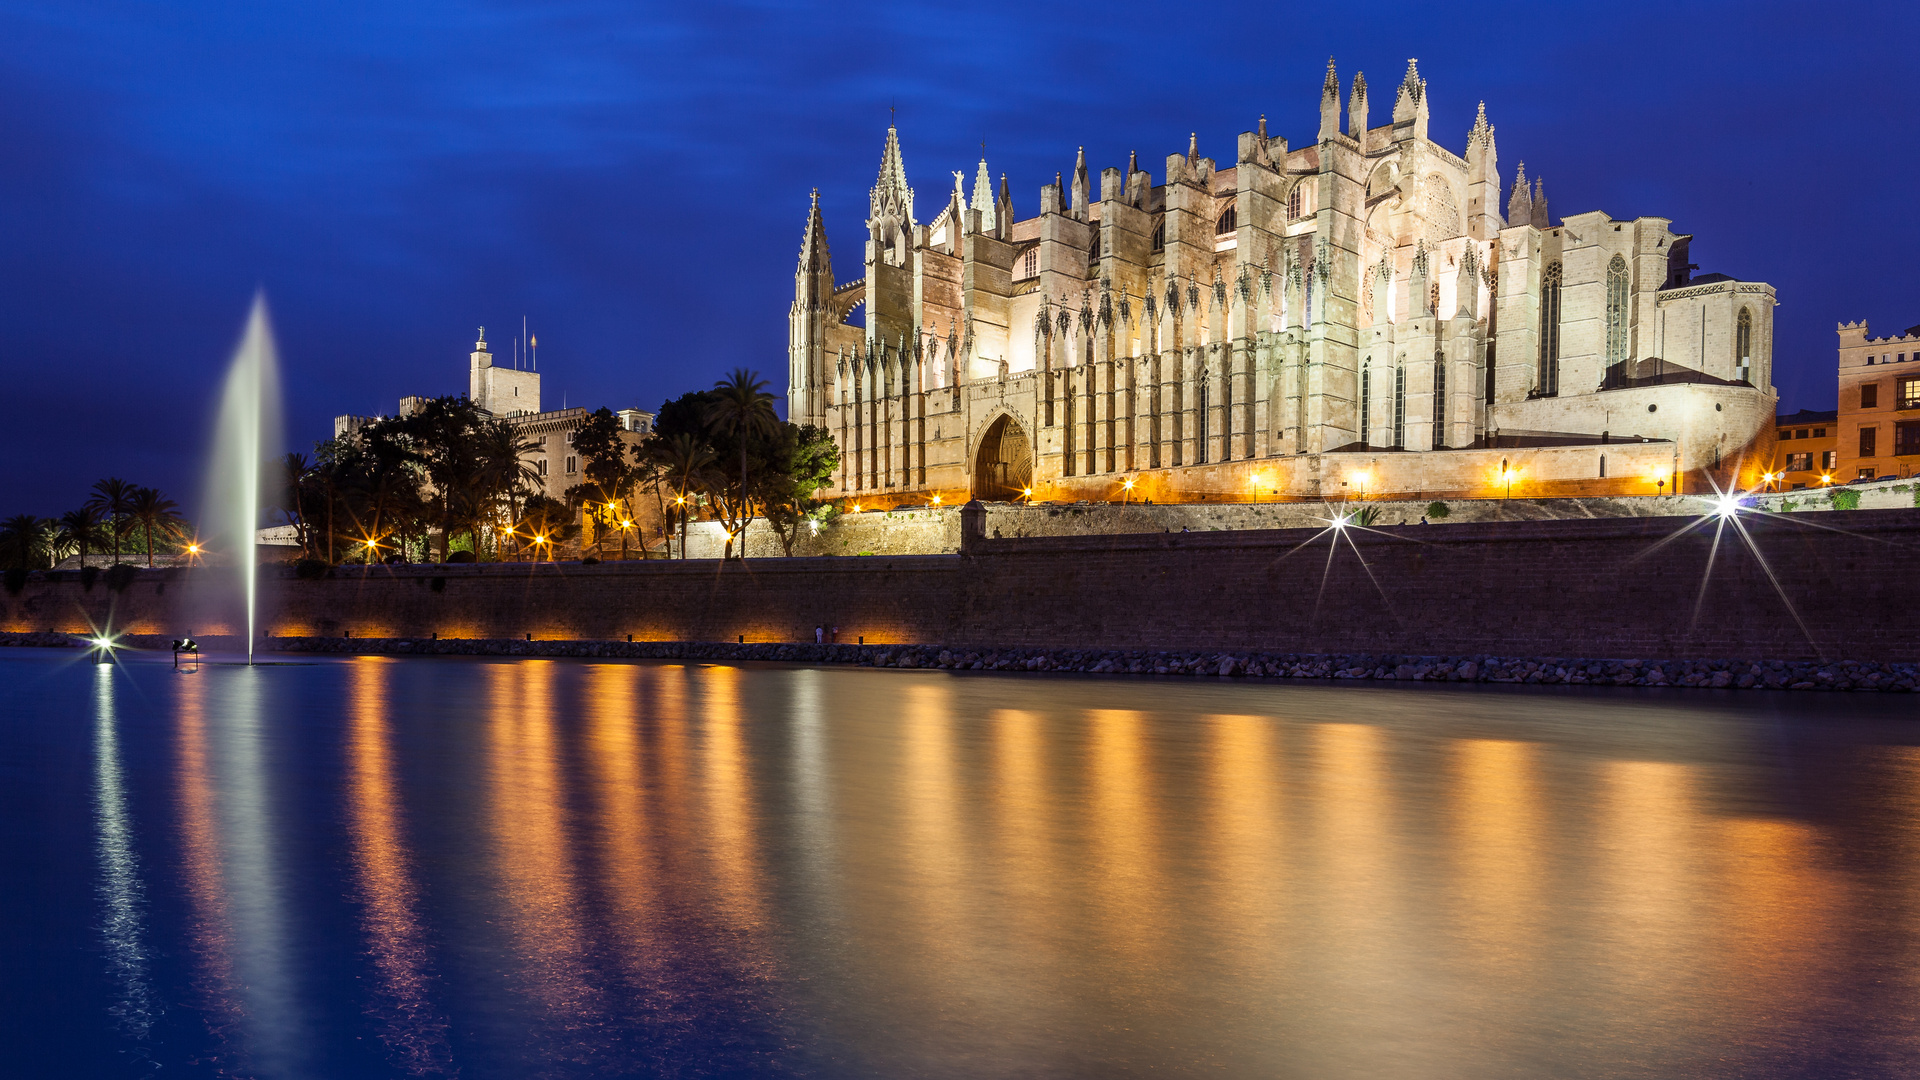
(936, 530)
(1605, 587)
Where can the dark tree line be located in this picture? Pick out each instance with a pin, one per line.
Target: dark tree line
(118, 518)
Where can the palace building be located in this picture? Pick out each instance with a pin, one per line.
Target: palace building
(1355, 315)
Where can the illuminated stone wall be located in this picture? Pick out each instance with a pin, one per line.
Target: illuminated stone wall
(1604, 588)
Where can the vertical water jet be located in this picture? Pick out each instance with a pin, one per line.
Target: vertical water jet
(244, 434)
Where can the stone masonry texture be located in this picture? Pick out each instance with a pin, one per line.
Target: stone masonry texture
(1606, 588)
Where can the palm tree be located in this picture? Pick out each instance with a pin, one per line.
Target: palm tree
(113, 497)
(684, 461)
(23, 539)
(295, 479)
(154, 511)
(81, 529)
(506, 473)
(742, 408)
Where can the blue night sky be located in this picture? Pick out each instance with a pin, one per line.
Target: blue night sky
(633, 178)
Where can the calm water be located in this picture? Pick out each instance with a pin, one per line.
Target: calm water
(369, 867)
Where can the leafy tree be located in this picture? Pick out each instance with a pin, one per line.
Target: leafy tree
(544, 522)
(154, 512)
(804, 463)
(603, 466)
(295, 478)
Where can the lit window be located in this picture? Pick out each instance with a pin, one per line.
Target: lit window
(1800, 462)
(1909, 393)
(1549, 373)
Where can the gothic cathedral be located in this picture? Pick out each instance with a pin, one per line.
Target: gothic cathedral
(1347, 318)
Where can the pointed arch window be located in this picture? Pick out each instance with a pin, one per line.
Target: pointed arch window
(1743, 346)
(1030, 265)
(1228, 222)
(1366, 403)
(1548, 384)
(1616, 310)
(1400, 408)
(1296, 201)
(1160, 237)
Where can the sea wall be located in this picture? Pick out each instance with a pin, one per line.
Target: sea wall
(1651, 588)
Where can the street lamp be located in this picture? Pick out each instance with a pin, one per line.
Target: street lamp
(1506, 477)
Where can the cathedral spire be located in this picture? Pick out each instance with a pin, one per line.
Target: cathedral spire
(1483, 179)
(1540, 218)
(1357, 110)
(983, 195)
(891, 195)
(1080, 187)
(1520, 203)
(813, 242)
(1481, 134)
(1410, 103)
(1330, 103)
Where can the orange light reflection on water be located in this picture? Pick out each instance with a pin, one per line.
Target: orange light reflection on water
(532, 846)
(413, 1028)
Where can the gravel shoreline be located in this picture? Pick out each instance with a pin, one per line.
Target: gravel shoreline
(1706, 674)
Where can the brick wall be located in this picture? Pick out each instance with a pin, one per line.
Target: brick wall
(1554, 588)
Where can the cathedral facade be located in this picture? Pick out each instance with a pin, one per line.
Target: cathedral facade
(1351, 317)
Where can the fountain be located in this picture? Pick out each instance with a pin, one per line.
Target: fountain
(246, 432)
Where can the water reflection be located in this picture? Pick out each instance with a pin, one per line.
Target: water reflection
(532, 859)
(121, 890)
(624, 869)
(239, 918)
(411, 1024)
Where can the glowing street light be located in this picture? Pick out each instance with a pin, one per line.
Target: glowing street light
(936, 500)
(1126, 490)
(1507, 477)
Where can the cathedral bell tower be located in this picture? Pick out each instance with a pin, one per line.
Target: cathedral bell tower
(890, 249)
(807, 322)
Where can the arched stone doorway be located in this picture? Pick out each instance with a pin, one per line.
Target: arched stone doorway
(1003, 466)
